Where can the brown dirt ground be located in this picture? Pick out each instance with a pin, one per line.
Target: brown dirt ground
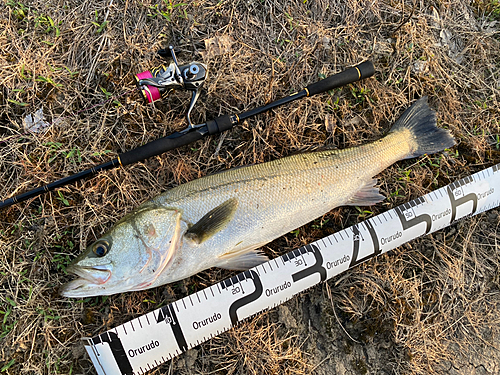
(429, 307)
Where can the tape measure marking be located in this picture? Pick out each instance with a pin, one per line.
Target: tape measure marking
(232, 301)
(317, 267)
(247, 299)
(357, 240)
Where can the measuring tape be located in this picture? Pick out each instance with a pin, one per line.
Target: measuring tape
(152, 339)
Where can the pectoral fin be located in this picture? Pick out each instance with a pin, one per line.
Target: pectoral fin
(213, 222)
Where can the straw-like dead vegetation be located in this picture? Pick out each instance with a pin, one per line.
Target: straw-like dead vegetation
(430, 307)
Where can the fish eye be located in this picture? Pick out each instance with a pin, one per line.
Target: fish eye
(101, 248)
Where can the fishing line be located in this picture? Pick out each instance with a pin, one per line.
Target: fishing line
(158, 336)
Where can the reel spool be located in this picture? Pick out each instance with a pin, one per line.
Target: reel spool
(159, 82)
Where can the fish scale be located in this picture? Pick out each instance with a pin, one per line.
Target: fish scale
(334, 177)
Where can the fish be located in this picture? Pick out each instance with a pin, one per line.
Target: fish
(222, 220)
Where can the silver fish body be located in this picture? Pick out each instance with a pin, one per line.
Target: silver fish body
(220, 220)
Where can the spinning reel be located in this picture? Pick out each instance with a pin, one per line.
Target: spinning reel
(159, 82)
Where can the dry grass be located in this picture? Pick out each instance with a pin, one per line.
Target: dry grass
(430, 300)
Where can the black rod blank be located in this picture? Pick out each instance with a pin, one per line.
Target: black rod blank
(190, 135)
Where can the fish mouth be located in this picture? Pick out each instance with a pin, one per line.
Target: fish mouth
(88, 277)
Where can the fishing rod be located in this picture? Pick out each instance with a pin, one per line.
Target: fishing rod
(159, 82)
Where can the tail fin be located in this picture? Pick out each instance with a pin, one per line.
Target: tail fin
(420, 119)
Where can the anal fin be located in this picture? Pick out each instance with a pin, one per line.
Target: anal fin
(367, 195)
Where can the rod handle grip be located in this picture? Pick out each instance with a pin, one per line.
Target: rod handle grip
(361, 71)
(159, 146)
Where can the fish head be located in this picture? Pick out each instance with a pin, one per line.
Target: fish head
(130, 256)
